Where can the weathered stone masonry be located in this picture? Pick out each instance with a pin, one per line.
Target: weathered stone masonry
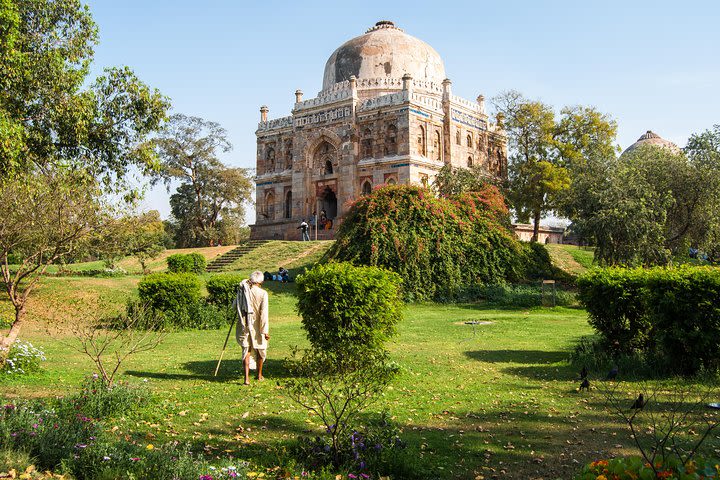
(386, 114)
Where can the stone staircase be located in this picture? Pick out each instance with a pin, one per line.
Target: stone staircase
(222, 262)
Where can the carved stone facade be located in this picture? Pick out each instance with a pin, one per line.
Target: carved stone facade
(362, 132)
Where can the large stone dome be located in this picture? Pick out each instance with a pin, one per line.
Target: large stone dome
(651, 138)
(384, 51)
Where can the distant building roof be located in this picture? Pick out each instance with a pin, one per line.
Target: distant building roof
(651, 138)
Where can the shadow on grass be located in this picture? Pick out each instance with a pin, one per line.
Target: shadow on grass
(204, 369)
(517, 356)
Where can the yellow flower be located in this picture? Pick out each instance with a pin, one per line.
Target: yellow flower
(601, 477)
(150, 446)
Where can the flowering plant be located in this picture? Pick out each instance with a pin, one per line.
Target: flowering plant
(636, 468)
(22, 359)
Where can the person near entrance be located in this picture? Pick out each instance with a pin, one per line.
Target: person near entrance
(304, 231)
(253, 328)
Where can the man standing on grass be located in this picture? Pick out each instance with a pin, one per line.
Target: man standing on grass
(253, 327)
(304, 230)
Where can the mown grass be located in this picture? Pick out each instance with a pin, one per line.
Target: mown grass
(493, 400)
(471, 400)
(571, 259)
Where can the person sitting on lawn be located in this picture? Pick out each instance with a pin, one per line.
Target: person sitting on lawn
(284, 275)
(253, 328)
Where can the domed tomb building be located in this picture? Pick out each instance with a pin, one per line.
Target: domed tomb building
(652, 139)
(385, 115)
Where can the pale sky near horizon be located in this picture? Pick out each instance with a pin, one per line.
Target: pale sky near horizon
(650, 65)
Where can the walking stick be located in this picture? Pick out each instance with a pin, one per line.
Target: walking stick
(232, 324)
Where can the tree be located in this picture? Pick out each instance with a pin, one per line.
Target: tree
(548, 155)
(62, 144)
(46, 115)
(451, 181)
(209, 190)
(142, 236)
(42, 219)
(652, 204)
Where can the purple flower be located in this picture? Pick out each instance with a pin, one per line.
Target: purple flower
(362, 465)
(80, 445)
(206, 477)
(352, 475)
(364, 475)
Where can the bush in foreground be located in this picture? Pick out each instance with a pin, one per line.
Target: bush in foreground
(634, 468)
(345, 306)
(670, 314)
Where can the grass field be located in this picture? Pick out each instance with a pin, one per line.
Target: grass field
(497, 400)
(571, 259)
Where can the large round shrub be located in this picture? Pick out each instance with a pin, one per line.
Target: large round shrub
(439, 246)
(344, 306)
(186, 263)
(169, 291)
(222, 289)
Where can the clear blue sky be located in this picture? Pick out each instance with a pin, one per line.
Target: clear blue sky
(651, 65)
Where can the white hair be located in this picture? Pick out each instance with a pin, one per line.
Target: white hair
(257, 277)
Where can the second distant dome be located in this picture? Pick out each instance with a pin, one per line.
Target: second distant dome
(384, 51)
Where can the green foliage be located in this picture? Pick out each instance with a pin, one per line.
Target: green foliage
(651, 204)
(684, 305)
(222, 289)
(58, 437)
(546, 154)
(197, 315)
(22, 359)
(505, 295)
(169, 291)
(186, 263)
(209, 205)
(338, 385)
(634, 468)
(451, 181)
(537, 261)
(342, 305)
(615, 301)
(438, 246)
(672, 314)
(98, 400)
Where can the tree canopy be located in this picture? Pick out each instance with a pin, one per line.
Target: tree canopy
(210, 192)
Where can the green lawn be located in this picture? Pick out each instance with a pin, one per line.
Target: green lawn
(470, 403)
(571, 259)
(496, 401)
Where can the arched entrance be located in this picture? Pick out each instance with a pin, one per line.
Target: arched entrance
(327, 202)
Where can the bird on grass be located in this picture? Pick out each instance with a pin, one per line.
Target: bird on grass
(612, 374)
(639, 403)
(585, 385)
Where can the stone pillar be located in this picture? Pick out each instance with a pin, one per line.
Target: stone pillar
(447, 89)
(263, 113)
(298, 96)
(481, 103)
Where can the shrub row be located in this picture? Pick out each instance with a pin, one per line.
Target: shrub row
(173, 301)
(672, 313)
(186, 263)
(505, 295)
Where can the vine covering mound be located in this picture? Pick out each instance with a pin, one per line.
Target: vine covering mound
(442, 247)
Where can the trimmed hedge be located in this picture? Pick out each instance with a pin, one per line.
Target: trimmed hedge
(670, 313)
(348, 307)
(169, 291)
(223, 288)
(614, 298)
(186, 263)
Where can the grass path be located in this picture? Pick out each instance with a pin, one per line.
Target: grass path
(570, 258)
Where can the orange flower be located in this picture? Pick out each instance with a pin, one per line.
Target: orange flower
(665, 474)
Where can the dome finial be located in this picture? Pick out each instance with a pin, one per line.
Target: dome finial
(383, 24)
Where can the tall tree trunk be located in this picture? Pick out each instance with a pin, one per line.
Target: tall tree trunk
(7, 341)
(536, 225)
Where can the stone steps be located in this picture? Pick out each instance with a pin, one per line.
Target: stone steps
(222, 262)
